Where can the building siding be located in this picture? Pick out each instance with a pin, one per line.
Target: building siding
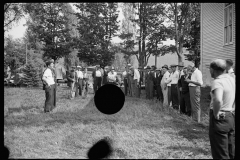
(212, 34)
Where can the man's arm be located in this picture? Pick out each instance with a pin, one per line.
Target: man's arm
(217, 101)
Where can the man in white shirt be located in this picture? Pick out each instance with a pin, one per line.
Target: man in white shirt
(136, 79)
(180, 70)
(195, 91)
(221, 122)
(174, 87)
(79, 81)
(229, 68)
(112, 76)
(169, 86)
(164, 85)
(48, 78)
(97, 76)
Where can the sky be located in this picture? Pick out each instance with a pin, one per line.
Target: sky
(18, 30)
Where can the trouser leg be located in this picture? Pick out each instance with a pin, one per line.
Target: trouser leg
(169, 95)
(80, 86)
(48, 101)
(174, 95)
(125, 86)
(195, 103)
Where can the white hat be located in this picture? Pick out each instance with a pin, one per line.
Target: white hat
(79, 67)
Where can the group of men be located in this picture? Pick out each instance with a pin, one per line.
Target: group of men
(100, 76)
(78, 82)
(170, 86)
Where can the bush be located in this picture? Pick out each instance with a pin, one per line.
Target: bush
(31, 75)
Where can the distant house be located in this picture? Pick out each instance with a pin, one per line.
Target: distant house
(217, 35)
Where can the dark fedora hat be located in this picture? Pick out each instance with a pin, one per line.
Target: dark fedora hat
(165, 66)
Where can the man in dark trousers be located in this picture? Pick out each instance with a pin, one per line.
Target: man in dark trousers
(149, 80)
(221, 119)
(105, 74)
(125, 79)
(174, 87)
(147, 75)
(154, 80)
(97, 78)
(158, 85)
(50, 88)
(185, 104)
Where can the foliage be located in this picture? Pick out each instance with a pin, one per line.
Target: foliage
(13, 12)
(149, 17)
(49, 22)
(97, 25)
(179, 16)
(192, 41)
(31, 76)
(14, 53)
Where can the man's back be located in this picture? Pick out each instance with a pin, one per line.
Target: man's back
(227, 84)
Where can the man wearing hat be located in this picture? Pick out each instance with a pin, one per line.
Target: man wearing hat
(158, 84)
(50, 86)
(195, 84)
(72, 78)
(112, 76)
(164, 85)
(79, 82)
(185, 105)
(174, 86)
(149, 83)
(180, 70)
(97, 77)
(125, 79)
(105, 74)
(136, 81)
(154, 80)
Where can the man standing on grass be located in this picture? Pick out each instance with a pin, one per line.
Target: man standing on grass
(125, 80)
(174, 87)
(48, 78)
(79, 81)
(164, 85)
(185, 104)
(221, 125)
(97, 77)
(136, 80)
(195, 91)
(72, 77)
(169, 87)
(158, 86)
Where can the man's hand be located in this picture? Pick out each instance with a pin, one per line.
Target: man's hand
(180, 89)
(188, 80)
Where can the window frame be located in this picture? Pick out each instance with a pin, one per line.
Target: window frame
(227, 6)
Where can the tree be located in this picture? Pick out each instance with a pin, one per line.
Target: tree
(31, 76)
(13, 12)
(149, 18)
(179, 15)
(192, 41)
(14, 53)
(97, 25)
(48, 21)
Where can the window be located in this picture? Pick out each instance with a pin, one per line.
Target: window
(228, 12)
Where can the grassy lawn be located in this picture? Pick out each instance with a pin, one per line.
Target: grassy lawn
(142, 129)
